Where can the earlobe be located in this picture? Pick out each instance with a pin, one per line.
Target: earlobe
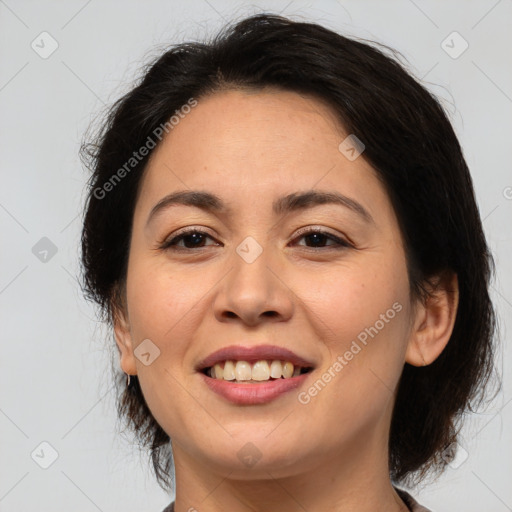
(434, 321)
(124, 343)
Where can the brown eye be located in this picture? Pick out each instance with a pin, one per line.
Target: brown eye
(318, 238)
(191, 239)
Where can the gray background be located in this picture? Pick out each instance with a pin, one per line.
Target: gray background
(55, 384)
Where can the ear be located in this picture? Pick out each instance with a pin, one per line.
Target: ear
(434, 321)
(124, 340)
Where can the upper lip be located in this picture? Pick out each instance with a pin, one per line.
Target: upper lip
(253, 354)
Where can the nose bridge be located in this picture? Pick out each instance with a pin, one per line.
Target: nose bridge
(251, 262)
(252, 288)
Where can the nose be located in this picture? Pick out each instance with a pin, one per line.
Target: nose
(253, 292)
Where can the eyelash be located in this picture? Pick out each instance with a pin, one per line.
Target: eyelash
(170, 244)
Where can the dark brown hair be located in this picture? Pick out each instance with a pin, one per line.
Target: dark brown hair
(410, 143)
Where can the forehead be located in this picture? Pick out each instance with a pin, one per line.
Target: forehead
(235, 123)
(247, 143)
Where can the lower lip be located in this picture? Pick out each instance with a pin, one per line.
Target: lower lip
(254, 394)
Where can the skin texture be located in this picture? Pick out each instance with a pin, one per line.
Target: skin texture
(330, 454)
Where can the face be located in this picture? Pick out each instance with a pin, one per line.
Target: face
(253, 272)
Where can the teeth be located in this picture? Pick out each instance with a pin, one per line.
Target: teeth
(287, 370)
(218, 372)
(276, 369)
(258, 372)
(228, 373)
(243, 370)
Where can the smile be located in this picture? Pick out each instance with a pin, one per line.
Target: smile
(252, 375)
(259, 371)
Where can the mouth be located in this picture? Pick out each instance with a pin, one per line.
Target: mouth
(263, 370)
(254, 364)
(254, 375)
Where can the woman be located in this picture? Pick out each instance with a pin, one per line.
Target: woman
(282, 231)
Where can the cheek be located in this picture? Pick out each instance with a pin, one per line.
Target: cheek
(362, 317)
(353, 300)
(165, 307)
(163, 304)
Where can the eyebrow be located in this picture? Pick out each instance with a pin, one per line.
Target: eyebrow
(286, 204)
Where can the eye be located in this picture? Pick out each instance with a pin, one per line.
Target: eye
(318, 237)
(191, 238)
(194, 238)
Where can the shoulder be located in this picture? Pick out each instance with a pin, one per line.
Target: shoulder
(413, 505)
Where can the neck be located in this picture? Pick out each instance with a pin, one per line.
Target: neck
(353, 480)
